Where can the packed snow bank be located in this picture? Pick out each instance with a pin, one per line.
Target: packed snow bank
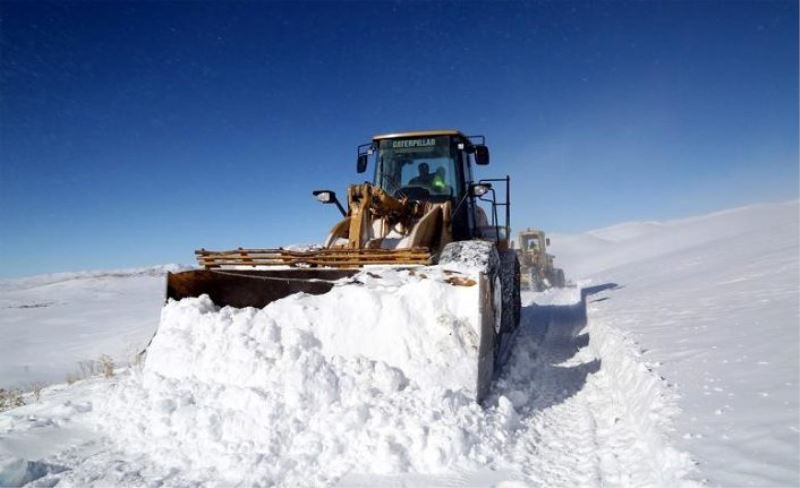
(50, 323)
(641, 413)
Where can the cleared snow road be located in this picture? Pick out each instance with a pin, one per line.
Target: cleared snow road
(592, 415)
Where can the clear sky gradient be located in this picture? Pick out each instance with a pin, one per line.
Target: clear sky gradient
(132, 134)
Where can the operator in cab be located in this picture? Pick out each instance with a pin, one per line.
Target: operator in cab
(425, 178)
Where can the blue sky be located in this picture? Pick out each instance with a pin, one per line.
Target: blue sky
(131, 134)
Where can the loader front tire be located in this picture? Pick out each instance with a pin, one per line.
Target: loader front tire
(561, 281)
(512, 303)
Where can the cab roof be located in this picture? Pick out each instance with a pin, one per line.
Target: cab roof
(421, 133)
(531, 231)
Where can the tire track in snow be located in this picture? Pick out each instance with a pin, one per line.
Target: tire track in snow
(557, 443)
(590, 413)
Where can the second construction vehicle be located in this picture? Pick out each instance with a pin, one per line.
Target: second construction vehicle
(537, 269)
(423, 207)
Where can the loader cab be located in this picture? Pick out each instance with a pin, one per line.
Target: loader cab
(530, 243)
(533, 241)
(425, 167)
(436, 167)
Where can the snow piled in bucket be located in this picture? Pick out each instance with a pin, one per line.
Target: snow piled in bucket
(417, 323)
(375, 375)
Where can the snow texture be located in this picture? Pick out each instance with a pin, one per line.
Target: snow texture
(52, 322)
(665, 369)
(470, 256)
(712, 303)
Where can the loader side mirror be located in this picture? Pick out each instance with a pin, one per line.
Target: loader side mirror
(328, 196)
(481, 154)
(361, 163)
(547, 241)
(325, 196)
(480, 189)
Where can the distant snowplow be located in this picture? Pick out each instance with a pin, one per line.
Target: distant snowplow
(537, 268)
(422, 209)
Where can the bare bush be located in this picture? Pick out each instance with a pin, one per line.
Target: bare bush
(36, 390)
(136, 357)
(138, 360)
(11, 398)
(87, 368)
(92, 367)
(107, 365)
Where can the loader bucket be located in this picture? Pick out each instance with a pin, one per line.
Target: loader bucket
(252, 288)
(474, 370)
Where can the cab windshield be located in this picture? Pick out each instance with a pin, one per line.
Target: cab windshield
(532, 243)
(418, 168)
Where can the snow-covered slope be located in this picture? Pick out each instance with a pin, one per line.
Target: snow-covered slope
(714, 301)
(51, 323)
(583, 255)
(692, 358)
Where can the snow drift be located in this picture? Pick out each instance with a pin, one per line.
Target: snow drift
(312, 383)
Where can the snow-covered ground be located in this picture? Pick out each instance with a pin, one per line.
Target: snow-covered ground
(686, 371)
(714, 304)
(52, 323)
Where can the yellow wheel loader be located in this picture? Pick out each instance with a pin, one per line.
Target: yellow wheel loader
(424, 207)
(537, 269)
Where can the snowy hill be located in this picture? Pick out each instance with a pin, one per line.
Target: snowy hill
(583, 255)
(713, 300)
(53, 323)
(692, 358)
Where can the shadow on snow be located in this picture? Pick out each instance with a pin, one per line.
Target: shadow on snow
(542, 369)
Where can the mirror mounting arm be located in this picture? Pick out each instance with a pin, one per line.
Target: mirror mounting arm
(339, 206)
(327, 197)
